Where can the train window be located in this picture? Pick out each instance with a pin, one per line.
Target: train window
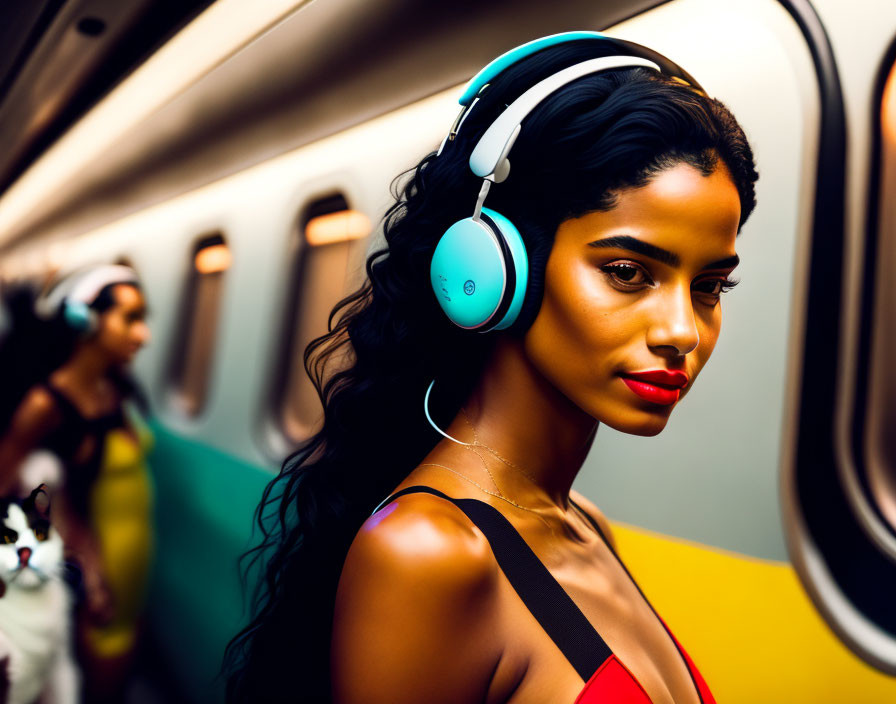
(329, 244)
(869, 480)
(842, 514)
(198, 326)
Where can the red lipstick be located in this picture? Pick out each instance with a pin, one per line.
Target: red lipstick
(657, 385)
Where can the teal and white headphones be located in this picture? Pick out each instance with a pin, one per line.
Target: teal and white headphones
(480, 270)
(74, 294)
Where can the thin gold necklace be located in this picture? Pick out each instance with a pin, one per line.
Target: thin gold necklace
(491, 493)
(499, 494)
(476, 484)
(509, 463)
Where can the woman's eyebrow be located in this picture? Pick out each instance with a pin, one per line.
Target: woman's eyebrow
(726, 263)
(633, 244)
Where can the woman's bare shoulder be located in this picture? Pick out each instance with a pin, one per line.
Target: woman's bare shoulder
(595, 513)
(36, 412)
(35, 417)
(416, 593)
(423, 536)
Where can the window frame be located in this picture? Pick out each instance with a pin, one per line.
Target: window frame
(183, 337)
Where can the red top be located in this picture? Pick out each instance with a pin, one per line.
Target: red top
(614, 684)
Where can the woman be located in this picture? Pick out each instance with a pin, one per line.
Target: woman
(74, 399)
(487, 579)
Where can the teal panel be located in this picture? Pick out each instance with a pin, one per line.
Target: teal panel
(205, 500)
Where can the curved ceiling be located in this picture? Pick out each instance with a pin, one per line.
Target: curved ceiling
(322, 68)
(57, 57)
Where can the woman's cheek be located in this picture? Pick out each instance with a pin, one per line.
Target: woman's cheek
(709, 335)
(709, 332)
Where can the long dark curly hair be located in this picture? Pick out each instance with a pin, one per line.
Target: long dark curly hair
(387, 340)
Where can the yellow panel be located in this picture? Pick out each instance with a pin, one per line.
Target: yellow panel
(748, 625)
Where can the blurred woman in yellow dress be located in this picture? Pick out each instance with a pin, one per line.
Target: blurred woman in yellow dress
(67, 390)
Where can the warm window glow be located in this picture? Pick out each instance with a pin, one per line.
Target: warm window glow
(337, 227)
(210, 260)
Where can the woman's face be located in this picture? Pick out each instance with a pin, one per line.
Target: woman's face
(123, 330)
(636, 289)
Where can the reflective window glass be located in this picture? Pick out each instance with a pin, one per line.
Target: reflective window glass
(199, 322)
(328, 263)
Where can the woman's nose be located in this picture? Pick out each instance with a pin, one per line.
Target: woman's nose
(674, 329)
(141, 333)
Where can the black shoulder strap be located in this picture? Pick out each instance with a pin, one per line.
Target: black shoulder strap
(541, 593)
(68, 409)
(71, 412)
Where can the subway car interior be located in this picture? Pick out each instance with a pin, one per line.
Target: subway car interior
(239, 157)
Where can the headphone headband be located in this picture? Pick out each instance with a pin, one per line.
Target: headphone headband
(495, 144)
(83, 287)
(633, 54)
(508, 58)
(88, 288)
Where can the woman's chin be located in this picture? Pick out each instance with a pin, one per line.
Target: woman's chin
(648, 432)
(643, 424)
(124, 359)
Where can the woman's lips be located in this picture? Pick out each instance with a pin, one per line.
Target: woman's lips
(649, 392)
(657, 386)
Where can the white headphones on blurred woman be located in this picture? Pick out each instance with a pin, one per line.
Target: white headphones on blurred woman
(75, 292)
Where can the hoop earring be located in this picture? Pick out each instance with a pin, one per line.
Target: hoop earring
(429, 418)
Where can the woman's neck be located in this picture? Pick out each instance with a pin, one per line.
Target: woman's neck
(525, 421)
(86, 368)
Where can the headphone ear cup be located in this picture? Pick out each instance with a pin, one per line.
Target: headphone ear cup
(468, 273)
(79, 316)
(515, 252)
(479, 271)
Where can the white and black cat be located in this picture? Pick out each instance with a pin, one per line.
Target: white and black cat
(35, 606)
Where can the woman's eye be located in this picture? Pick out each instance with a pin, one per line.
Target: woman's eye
(627, 275)
(714, 287)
